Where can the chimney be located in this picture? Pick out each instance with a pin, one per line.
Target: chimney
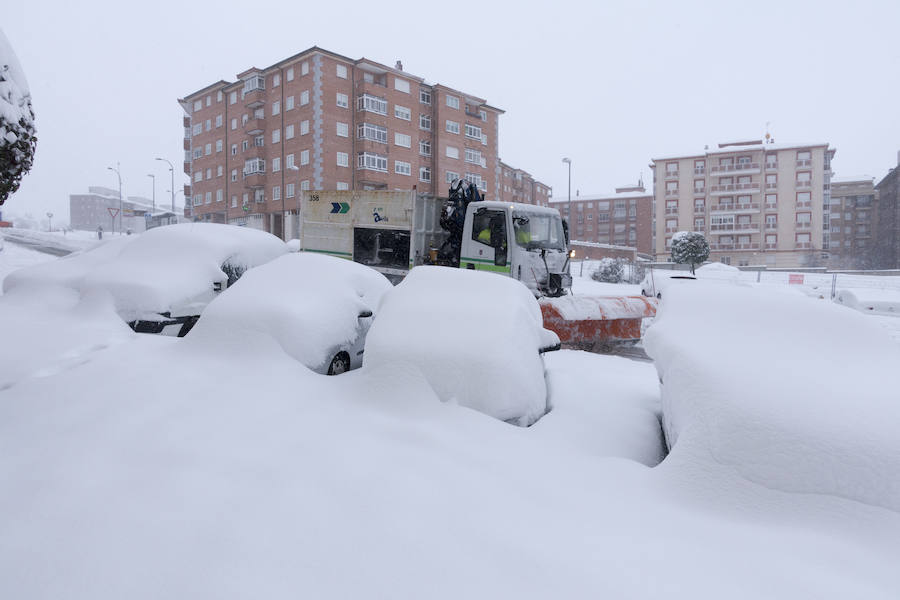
(399, 66)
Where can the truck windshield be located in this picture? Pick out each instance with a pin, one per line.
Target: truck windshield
(539, 230)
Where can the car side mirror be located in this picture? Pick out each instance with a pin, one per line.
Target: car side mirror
(365, 314)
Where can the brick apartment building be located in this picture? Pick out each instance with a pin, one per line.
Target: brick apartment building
(849, 226)
(623, 218)
(756, 203)
(321, 121)
(517, 185)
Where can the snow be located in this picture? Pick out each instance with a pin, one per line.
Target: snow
(68, 241)
(14, 257)
(165, 269)
(475, 337)
(15, 97)
(768, 391)
(718, 270)
(883, 302)
(309, 303)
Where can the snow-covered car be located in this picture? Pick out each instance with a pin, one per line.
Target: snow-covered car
(160, 281)
(657, 280)
(318, 308)
(475, 336)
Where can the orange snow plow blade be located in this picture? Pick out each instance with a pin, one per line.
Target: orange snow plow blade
(593, 322)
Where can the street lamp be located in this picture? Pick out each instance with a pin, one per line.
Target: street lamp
(49, 221)
(172, 171)
(153, 177)
(119, 175)
(569, 209)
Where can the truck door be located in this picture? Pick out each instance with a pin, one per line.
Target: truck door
(488, 247)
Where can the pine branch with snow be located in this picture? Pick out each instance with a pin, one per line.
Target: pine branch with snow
(18, 138)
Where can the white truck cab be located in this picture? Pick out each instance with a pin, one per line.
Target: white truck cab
(523, 241)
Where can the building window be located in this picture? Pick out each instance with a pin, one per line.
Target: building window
(234, 174)
(232, 98)
(401, 112)
(425, 147)
(254, 166)
(208, 199)
(289, 161)
(259, 195)
(402, 140)
(473, 132)
(198, 176)
(218, 121)
(304, 127)
(402, 168)
(483, 115)
(276, 192)
(276, 164)
(304, 68)
(244, 145)
(276, 108)
(289, 132)
(342, 100)
(304, 97)
(372, 162)
(452, 152)
(425, 122)
(425, 97)
(218, 145)
(452, 127)
(452, 101)
(473, 156)
(234, 202)
(340, 71)
(450, 176)
(342, 185)
(289, 74)
(343, 130)
(425, 174)
(367, 131)
(401, 85)
(276, 136)
(304, 157)
(343, 159)
(233, 124)
(289, 103)
(371, 103)
(208, 149)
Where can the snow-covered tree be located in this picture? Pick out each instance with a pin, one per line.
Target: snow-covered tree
(610, 270)
(17, 132)
(689, 248)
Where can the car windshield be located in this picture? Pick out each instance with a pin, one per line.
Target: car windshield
(538, 230)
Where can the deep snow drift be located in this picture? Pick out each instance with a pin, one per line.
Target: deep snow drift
(793, 393)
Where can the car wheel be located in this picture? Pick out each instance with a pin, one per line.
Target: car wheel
(339, 364)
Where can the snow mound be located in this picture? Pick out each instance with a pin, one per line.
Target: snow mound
(165, 269)
(880, 302)
(475, 336)
(794, 394)
(309, 303)
(718, 270)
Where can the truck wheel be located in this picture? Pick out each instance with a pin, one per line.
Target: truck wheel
(339, 364)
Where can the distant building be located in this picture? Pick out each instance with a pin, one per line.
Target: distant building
(624, 218)
(886, 251)
(849, 225)
(101, 205)
(756, 203)
(517, 185)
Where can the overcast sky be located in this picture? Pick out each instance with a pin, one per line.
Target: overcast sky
(608, 84)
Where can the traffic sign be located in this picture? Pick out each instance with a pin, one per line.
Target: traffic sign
(113, 212)
(340, 207)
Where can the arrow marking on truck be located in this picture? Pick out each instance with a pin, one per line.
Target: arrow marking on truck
(340, 208)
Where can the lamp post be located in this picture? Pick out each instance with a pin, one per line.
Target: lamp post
(569, 209)
(297, 192)
(153, 177)
(119, 175)
(172, 171)
(49, 221)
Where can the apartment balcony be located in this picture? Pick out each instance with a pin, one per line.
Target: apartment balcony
(805, 226)
(752, 227)
(751, 207)
(187, 123)
(671, 211)
(771, 246)
(803, 185)
(771, 186)
(671, 174)
(187, 167)
(699, 191)
(721, 246)
(802, 245)
(254, 98)
(863, 234)
(671, 193)
(771, 226)
(672, 230)
(750, 246)
(771, 166)
(255, 179)
(804, 163)
(699, 170)
(770, 206)
(187, 144)
(732, 188)
(743, 169)
(804, 204)
(254, 126)
(699, 208)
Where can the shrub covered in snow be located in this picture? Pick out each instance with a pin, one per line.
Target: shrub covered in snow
(17, 133)
(610, 270)
(689, 248)
(474, 335)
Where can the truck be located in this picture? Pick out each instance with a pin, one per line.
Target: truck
(394, 231)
